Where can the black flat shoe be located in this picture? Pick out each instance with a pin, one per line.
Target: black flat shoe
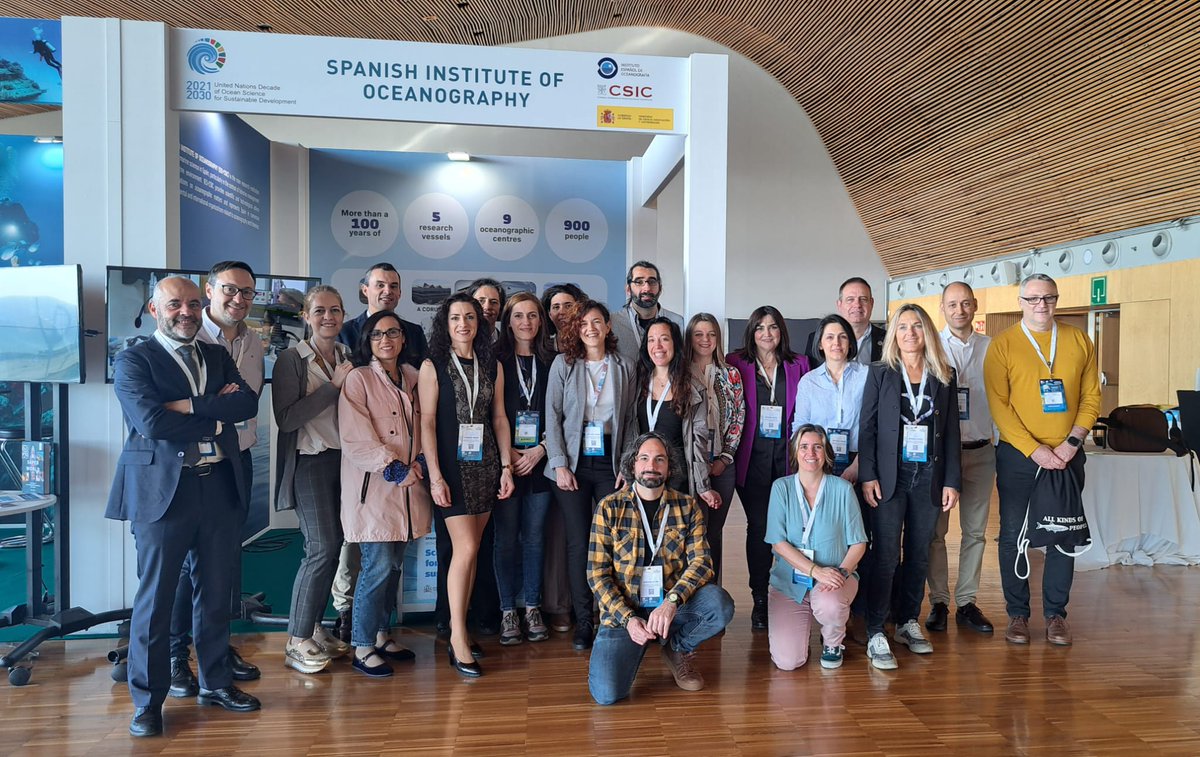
(971, 616)
(147, 721)
(397, 653)
(937, 617)
(468, 669)
(231, 698)
(382, 670)
(183, 680)
(242, 670)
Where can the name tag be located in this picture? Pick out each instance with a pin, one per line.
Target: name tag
(207, 449)
(801, 578)
(650, 592)
(770, 422)
(916, 443)
(528, 431)
(470, 442)
(242, 425)
(593, 439)
(839, 440)
(1054, 398)
(964, 403)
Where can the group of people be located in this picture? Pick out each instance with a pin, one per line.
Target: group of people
(560, 448)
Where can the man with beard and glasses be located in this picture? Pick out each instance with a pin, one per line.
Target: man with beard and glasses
(643, 287)
(650, 569)
(180, 483)
(230, 291)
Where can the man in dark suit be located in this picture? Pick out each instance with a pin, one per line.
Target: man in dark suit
(379, 289)
(854, 303)
(177, 483)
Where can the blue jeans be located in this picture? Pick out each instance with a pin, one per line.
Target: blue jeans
(911, 514)
(520, 521)
(616, 657)
(372, 605)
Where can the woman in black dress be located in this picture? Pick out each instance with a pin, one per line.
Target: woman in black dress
(467, 443)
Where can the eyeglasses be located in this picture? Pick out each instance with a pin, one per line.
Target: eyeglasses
(1048, 299)
(392, 333)
(653, 282)
(229, 290)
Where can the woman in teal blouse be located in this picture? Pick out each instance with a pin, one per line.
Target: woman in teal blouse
(815, 529)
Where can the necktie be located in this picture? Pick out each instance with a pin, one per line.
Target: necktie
(191, 455)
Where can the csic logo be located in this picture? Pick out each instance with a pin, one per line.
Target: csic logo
(607, 68)
(207, 56)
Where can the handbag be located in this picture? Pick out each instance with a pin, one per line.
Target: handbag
(1142, 428)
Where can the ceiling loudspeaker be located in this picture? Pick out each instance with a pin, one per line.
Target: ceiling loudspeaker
(1160, 245)
(1005, 273)
(1066, 259)
(1110, 252)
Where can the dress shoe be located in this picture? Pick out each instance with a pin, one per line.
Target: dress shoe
(379, 670)
(758, 615)
(147, 721)
(396, 653)
(469, 669)
(1018, 631)
(1058, 632)
(937, 617)
(231, 698)
(583, 636)
(972, 617)
(443, 629)
(183, 680)
(342, 626)
(242, 670)
(560, 621)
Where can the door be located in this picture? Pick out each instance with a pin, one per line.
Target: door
(1106, 333)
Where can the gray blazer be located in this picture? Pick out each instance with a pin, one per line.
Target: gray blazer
(566, 397)
(629, 335)
(294, 407)
(697, 445)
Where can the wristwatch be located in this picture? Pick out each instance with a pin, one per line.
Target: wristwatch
(1074, 441)
(674, 598)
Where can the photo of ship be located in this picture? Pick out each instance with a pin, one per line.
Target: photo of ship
(429, 293)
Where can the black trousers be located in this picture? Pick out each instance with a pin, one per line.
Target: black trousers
(755, 496)
(202, 525)
(595, 480)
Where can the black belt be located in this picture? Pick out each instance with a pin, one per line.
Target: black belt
(980, 444)
(202, 470)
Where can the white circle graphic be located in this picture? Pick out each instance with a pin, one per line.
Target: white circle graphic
(576, 230)
(435, 225)
(507, 228)
(364, 223)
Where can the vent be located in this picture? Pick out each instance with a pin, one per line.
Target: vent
(1109, 253)
(1161, 244)
(1066, 259)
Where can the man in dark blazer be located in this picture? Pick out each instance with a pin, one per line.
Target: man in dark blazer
(854, 303)
(379, 289)
(176, 482)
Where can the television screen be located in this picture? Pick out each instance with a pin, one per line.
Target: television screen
(274, 316)
(42, 324)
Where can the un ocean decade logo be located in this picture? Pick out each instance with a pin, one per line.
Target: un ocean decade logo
(207, 56)
(607, 68)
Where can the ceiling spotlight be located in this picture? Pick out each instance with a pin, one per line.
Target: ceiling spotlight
(459, 156)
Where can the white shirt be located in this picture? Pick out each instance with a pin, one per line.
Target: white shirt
(321, 433)
(174, 345)
(247, 353)
(967, 359)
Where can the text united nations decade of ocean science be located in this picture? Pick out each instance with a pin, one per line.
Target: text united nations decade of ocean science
(470, 78)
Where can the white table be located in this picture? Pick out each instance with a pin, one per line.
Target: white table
(1141, 510)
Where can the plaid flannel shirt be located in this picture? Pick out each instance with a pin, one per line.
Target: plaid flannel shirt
(615, 552)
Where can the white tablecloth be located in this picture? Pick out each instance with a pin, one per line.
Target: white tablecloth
(1141, 510)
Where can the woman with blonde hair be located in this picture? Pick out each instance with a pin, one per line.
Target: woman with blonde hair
(909, 465)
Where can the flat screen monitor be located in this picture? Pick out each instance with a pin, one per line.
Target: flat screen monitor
(41, 324)
(274, 316)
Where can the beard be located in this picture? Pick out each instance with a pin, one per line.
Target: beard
(646, 300)
(650, 479)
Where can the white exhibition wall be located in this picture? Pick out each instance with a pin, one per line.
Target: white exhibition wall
(787, 212)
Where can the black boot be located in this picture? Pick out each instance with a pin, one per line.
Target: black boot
(341, 626)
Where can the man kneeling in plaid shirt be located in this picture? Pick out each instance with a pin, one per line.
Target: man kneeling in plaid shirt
(649, 566)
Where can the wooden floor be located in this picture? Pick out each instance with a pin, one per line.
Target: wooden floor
(1129, 686)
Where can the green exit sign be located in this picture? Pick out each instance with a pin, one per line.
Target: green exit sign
(1100, 290)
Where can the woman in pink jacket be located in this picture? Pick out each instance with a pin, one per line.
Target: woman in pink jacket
(385, 497)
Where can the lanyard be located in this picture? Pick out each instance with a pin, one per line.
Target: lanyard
(770, 380)
(652, 412)
(197, 390)
(473, 390)
(526, 389)
(596, 388)
(662, 524)
(840, 389)
(915, 402)
(1053, 345)
(811, 517)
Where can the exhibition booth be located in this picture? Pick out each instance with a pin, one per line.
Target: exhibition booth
(168, 166)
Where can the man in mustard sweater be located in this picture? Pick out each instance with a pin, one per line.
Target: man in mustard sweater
(1043, 388)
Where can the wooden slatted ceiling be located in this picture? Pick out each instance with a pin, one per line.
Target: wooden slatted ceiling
(963, 130)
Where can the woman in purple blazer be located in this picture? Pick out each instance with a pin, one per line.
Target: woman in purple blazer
(770, 373)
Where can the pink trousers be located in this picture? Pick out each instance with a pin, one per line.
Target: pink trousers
(789, 623)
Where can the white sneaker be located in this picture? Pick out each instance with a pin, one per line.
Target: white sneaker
(880, 653)
(332, 645)
(910, 635)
